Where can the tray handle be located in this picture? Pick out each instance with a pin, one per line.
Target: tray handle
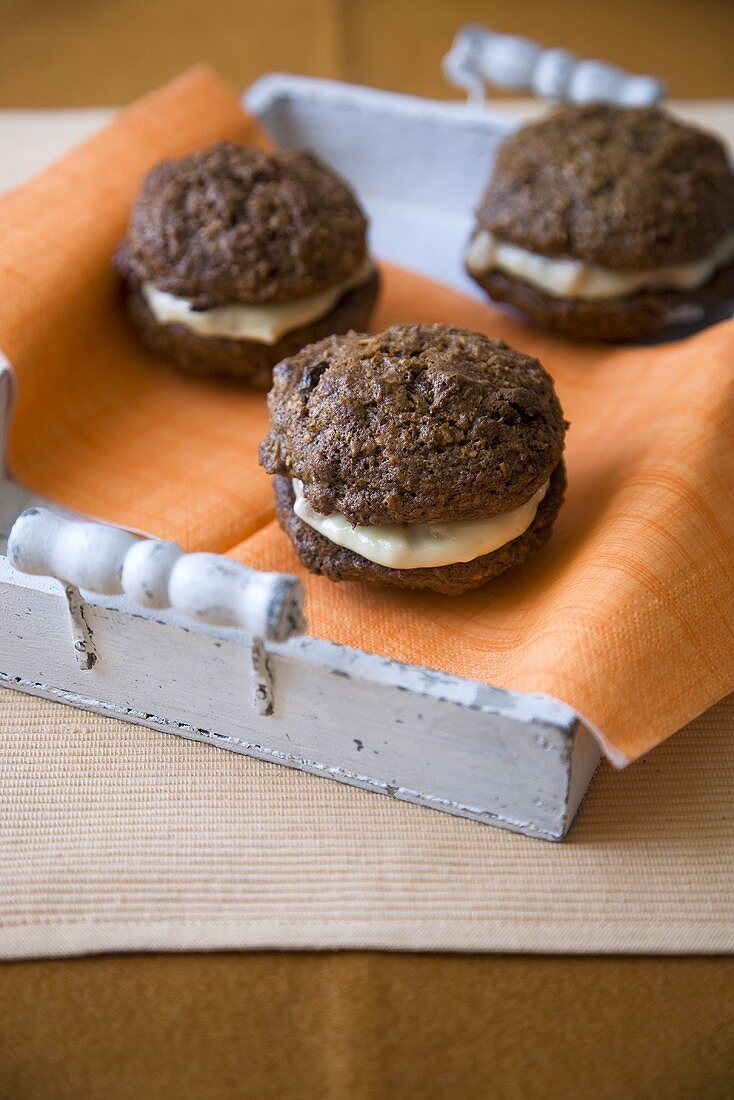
(207, 588)
(479, 56)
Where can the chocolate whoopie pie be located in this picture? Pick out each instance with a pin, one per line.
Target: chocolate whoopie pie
(423, 457)
(608, 223)
(235, 258)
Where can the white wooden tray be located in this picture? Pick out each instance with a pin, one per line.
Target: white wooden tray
(205, 658)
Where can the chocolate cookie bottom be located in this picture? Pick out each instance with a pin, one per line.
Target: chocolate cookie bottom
(321, 556)
(244, 360)
(615, 320)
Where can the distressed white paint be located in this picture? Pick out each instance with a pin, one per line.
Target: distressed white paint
(498, 757)
(81, 636)
(109, 561)
(518, 761)
(146, 572)
(479, 55)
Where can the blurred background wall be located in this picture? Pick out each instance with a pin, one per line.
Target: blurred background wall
(65, 53)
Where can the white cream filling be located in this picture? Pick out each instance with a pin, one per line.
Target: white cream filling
(421, 545)
(264, 323)
(565, 278)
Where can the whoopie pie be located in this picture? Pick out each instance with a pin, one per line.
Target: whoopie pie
(608, 223)
(423, 457)
(235, 258)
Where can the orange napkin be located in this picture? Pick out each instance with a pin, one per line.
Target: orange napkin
(97, 425)
(627, 615)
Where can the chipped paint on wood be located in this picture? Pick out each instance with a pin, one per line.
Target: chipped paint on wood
(385, 727)
(106, 560)
(81, 635)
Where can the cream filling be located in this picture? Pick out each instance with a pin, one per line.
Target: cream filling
(265, 323)
(421, 545)
(565, 278)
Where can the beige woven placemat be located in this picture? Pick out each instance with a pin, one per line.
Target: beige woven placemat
(118, 838)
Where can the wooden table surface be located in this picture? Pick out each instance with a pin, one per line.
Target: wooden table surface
(361, 1026)
(92, 52)
(355, 1026)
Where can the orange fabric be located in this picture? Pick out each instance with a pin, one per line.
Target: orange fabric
(97, 424)
(628, 615)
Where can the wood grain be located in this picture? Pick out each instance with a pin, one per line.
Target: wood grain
(90, 52)
(332, 1026)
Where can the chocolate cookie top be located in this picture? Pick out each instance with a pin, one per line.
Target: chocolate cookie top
(421, 423)
(617, 186)
(228, 224)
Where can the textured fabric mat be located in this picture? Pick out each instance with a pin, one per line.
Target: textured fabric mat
(119, 838)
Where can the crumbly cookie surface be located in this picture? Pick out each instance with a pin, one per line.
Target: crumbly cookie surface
(421, 423)
(228, 224)
(625, 188)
